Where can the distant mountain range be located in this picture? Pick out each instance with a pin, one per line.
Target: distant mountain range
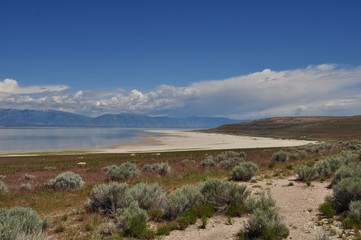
(50, 118)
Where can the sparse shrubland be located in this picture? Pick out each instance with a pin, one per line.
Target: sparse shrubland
(121, 172)
(21, 223)
(244, 171)
(327, 167)
(160, 168)
(66, 181)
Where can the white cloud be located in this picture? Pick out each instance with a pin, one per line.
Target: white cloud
(315, 90)
(11, 86)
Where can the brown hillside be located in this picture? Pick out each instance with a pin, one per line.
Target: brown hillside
(317, 128)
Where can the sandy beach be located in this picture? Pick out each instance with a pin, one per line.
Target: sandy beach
(178, 140)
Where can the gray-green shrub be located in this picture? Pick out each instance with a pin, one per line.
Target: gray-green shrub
(21, 223)
(160, 168)
(265, 224)
(25, 187)
(280, 156)
(300, 154)
(263, 201)
(182, 199)
(229, 154)
(29, 177)
(121, 172)
(208, 162)
(244, 171)
(231, 162)
(355, 210)
(351, 170)
(149, 196)
(220, 194)
(133, 221)
(65, 181)
(107, 198)
(3, 187)
(306, 173)
(345, 191)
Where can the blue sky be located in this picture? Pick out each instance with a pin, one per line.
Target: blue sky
(161, 57)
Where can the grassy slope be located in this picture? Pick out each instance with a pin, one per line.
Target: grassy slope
(315, 128)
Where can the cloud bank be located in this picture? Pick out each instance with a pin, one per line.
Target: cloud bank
(325, 89)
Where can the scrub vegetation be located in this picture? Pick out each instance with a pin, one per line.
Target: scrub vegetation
(143, 196)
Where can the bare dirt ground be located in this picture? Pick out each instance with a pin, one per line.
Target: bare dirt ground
(298, 205)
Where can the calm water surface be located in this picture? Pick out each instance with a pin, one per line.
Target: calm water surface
(62, 138)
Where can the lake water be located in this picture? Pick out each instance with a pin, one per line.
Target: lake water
(62, 138)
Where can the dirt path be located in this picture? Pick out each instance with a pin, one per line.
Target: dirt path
(217, 228)
(298, 205)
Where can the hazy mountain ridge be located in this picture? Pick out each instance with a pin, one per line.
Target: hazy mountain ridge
(51, 118)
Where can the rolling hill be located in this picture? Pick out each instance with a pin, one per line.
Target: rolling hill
(315, 128)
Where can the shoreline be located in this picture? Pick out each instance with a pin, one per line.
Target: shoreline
(182, 140)
(161, 140)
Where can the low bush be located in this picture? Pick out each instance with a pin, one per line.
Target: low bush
(204, 210)
(108, 198)
(222, 194)
(187, 162)
(323, 169)
(280, 156)
(160, 168)
(306, 173)
(231, 162)
(121, 172)
(263, 201)
(133, 222)
(347, 190)
(21, 223)
(29, 177)
(265, 224)
(3, 187)
(208, 162)
(65, 181)
(149, 196)
(229, 154)
(244, 171)
(182, 199)
(186, 218)
(166, 228)
(355, 210)
(25, 187)
(347, 171)
(300, 154)
(353, 218)
(327, 209)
